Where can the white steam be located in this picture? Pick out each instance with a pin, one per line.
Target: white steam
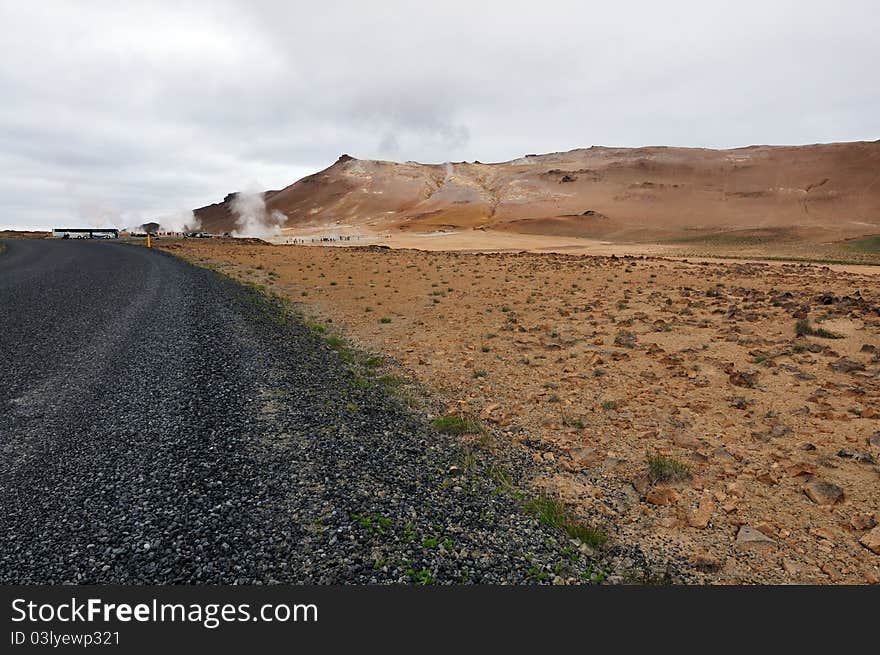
(180, 221)
(251, 217)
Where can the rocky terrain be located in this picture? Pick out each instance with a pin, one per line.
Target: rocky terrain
(777, 195)
(171, 426)
(723, 416)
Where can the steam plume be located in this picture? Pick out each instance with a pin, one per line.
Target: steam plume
(251, 217)
(180, 221)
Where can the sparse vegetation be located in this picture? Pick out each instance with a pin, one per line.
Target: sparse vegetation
(334, 342)
(662, 468)
(551, 512)
(803, 328)
(457, 425)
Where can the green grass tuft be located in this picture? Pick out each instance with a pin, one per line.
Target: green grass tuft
(803, 329)
(667, 469)
(551, 512)
(455, 424)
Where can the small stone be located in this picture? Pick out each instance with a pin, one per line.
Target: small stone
(699, 518)
(858, 456)
(722, 454)
(766, 529)
(871, 540)
(823, 493)
(748, 538)
(641, 483)
(791, 567)
(822, 533)
(743, 379)
(864, 521)
(686, 441)
(584, 456)
(830, 570)
(846, 365)
(705, 561)
(739, 402)
(662, 496)
(801, 468)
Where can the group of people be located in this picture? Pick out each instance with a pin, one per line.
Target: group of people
(327, 239)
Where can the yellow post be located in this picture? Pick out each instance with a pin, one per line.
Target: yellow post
(149, 245)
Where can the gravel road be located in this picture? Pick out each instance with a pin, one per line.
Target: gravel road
(160, 423)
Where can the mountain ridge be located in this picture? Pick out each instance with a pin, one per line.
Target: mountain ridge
(814, 192)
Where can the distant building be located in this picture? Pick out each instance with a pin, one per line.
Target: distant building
(85, 233)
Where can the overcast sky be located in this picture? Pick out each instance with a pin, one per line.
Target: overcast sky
(117, 112)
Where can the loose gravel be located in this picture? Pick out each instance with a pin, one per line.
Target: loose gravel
(160, 423)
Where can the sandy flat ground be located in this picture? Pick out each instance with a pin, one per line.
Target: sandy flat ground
(493, 241)
(469, 240)
(599, 365)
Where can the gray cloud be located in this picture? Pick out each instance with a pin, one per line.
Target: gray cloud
(122, 111)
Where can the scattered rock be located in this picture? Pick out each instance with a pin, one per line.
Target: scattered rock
(641, 483)
(801, 468)
(743, 379)
(584, 457)
(765, 528)
(705, 561)
(864, 521)
(699, 518)
(846, 365)
(823, 493)
(871, 541)
(748, 538)
(723, 455)
(791, 567)
(625, 339)
(865, 458)
(822, 533)
(739, 402)
(662, 496)
(686, 441)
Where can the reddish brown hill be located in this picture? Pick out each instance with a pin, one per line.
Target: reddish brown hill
(815, 192)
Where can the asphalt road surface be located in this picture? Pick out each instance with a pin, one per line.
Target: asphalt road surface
(160, 423)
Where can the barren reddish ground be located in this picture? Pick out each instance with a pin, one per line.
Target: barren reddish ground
(601, 365)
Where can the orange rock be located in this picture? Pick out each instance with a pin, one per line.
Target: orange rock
(822, 533)
(864, 521)
(700, 517)
(662, 496)
(703, 559)
(791, 567)
(871, 540)
(823, 493)
(765, 528)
